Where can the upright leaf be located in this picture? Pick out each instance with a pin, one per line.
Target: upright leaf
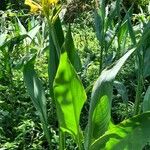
(21, 28)
(100, 106)
(35, 90)
(146, 102)
(56, 40)
(69, 96)
(131, 134)
(72, 53)
(33, 32)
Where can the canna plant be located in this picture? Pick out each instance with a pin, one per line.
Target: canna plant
(69, 96)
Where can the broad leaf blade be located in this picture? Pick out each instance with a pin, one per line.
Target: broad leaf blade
(69, 96)
(131, 134)
(100, 106)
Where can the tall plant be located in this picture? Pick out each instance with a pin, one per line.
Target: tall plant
(69, 95)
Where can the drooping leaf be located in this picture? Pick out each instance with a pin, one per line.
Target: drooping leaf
(35, 90)
(69, 96)
(100, 105)
(13, 41)
(146, 102)
(131, 134)
(72, 53)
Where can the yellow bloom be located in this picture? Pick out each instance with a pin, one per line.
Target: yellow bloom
(45, 4)
(34, 7)
(52, 1)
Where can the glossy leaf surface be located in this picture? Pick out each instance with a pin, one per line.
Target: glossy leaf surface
(69, 95)
(100, 106)
(131, 134)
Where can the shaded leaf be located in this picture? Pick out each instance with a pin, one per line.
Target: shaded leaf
(146, 102)
(71, 51)
(56, 40)
(35, 90)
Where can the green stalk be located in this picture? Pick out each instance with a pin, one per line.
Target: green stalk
(79, 141)
(47, 134)
(101, 58)
(61, 140)
(140, 83)
(138, 95)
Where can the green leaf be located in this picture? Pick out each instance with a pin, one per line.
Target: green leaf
(99, 26)
(3, 38)
(53, 62)
(69, 96)
(35, 90)
(32, 33)
(13, 41)
(120, 87)
(72, 53)
(59, 32)
(21, 28)
(100, 105)
(56, 40)
(131, 134)
(146, 70)
(146, 102)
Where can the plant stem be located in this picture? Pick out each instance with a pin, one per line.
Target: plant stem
(61, 140)
(79, 142)
(101, 59)
(140, 82)
(138, 96)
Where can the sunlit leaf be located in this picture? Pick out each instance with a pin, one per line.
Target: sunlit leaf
(131, 134)
(69, 96)
(100, 106)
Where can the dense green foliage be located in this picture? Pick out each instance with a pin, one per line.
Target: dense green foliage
(85, 85)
